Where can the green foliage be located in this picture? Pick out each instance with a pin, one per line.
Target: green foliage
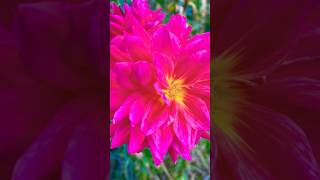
(141, 166)
(196, 11)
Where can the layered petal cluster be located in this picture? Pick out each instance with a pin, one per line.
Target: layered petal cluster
(160, 87)
(139, 14)
(266, 78)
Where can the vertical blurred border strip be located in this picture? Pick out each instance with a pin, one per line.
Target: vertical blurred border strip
(213, 147)
(107, 108)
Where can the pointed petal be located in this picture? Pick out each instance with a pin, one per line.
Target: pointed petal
(136, 140)
(123, 111)
(137, 111)
(164, 42)
(178, 26)
(155, 116)
(121, 136)
(197, 113)
(182, 129)
(173, 155)
(156, 156)
(181, 149)
(164, 64)
(162, 139)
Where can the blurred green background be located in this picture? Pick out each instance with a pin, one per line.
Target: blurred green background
(140, 166)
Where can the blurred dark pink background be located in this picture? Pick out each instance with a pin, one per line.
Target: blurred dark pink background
(53, 84)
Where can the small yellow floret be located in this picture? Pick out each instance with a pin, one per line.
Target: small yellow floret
(175, 91)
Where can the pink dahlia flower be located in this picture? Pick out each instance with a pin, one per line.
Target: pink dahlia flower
(266, 85)
(160, 88)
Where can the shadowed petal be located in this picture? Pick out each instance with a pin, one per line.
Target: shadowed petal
(121, 135)
(173, 155)
(136, 139)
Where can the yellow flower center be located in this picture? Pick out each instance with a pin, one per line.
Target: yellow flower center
(175, 91)
(226, 96)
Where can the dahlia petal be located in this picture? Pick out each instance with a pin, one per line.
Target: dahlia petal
(118, 55)
(123, 72)
(116, 18)
(173, 112)
(136, 47)
(205, 135)
(137, 112)
(136, 28)
(84, 157)
(164, 67)
(178, 26)
(154, 117)
(200, 61)
(156, 156)
(136, 140)
(121, 135)
(173, 155)
(165, 42)
(185, 134)
(116, 28)
(182, 129)
(181, 149)
(193, 139)
(196, 112)
(113, 128)
(115, 8)
(117, 97)
(197, 43)
(162, 139)
(123, 111)
(143, 72)
(202, 90)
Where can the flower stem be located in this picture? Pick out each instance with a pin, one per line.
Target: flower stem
(166, 171)
(203, 161)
